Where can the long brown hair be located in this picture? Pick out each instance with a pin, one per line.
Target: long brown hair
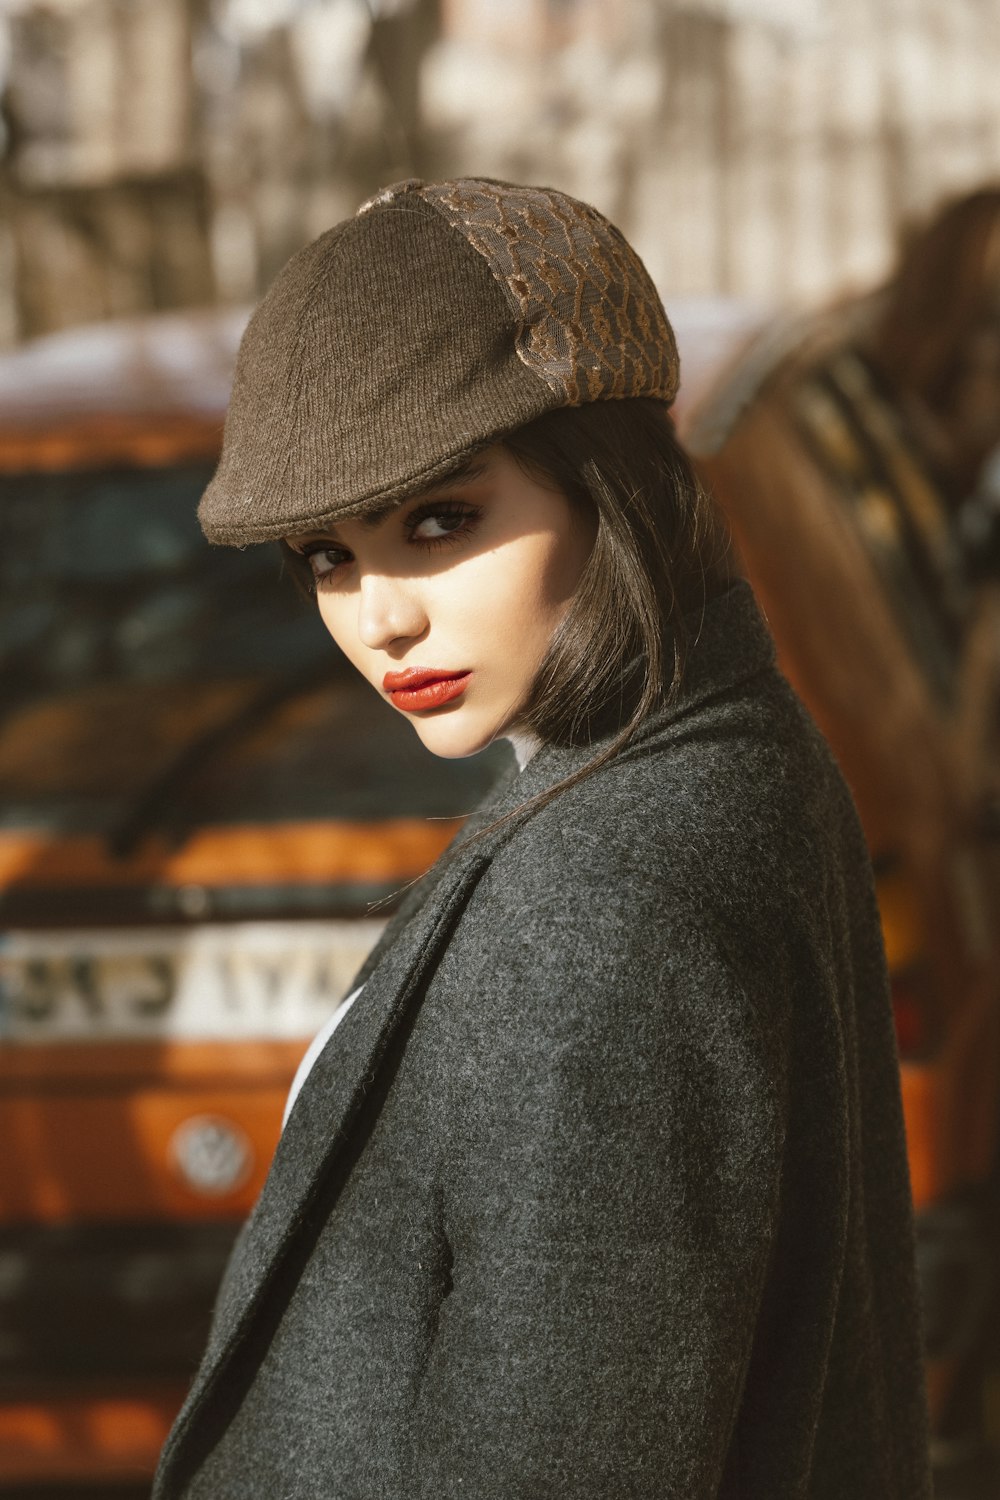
(658, 554)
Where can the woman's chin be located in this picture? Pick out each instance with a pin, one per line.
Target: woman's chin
(452, 737)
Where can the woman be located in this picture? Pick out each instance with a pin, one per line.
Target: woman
(599, 1187)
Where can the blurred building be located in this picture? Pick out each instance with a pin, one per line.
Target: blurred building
(165, 153)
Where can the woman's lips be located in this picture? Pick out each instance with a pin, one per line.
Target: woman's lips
(418, 688)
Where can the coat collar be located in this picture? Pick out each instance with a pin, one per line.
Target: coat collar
(732, 643)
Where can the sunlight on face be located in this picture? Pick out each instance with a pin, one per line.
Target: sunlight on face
(447, 603)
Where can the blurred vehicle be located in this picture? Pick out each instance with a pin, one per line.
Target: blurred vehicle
(848, 521)
(200, 803)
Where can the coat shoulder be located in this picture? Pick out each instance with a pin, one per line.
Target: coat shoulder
(727, 818)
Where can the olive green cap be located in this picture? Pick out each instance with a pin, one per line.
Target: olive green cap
(401, 341)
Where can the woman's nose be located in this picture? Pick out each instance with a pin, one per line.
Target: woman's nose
(388, 610)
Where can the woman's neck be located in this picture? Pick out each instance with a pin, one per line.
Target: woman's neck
(524, 744)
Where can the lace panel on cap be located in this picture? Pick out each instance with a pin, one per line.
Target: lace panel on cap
(592, 325)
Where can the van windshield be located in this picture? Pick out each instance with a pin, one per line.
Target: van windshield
(106, 577)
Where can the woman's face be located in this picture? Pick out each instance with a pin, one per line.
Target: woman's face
(447, 603)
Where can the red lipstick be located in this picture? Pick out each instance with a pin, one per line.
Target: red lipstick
(421, 687)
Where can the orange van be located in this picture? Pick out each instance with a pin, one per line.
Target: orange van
(203, 812)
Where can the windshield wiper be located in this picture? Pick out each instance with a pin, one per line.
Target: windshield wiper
(147, 808)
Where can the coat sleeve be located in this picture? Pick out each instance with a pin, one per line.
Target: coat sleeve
(611, 1189)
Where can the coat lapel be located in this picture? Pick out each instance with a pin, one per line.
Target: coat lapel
(320, 1123)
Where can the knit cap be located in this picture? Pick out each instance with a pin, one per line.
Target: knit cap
(403, 340)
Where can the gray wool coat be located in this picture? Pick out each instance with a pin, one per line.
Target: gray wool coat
(600, 1188)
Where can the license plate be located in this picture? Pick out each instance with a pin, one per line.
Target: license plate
(227, 981)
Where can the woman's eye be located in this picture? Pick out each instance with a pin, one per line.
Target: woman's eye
(442, 523)
(323, 560)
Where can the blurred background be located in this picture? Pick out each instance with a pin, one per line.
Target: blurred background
(203, 821)
(170, 153)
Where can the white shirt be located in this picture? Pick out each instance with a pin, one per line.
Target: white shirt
(316, 1046)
